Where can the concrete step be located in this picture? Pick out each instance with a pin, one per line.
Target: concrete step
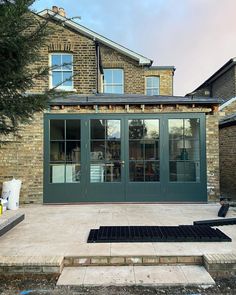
(135, 275)
(9, 222)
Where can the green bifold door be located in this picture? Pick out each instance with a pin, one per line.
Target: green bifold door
(124, 158)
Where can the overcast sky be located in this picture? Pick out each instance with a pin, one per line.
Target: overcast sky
(196, 36)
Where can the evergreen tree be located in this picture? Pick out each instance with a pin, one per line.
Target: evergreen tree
(22, 34)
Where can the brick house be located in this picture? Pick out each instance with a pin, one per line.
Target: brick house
(222, 84)
(118, 134)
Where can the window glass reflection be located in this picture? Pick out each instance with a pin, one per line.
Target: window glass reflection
(144, 145)
(151, 129)
(105, 151)
(97, 129)
(184, 150)
(136, 129)
(57, 129)
(113, 150)
(57, 173)
(113, 129)
(73, 129)
(152, 171)
(64, 150)
(72, 173)
(73, 151)
(57, 151)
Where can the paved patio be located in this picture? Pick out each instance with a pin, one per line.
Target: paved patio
(62, 230)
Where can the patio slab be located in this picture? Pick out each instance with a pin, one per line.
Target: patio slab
(62, 230)
(135, 275)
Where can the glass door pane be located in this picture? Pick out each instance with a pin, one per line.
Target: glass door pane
(105, 150)
(184, 150)
(144, 150)
(65, 151)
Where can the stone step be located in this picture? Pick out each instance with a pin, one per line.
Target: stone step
(45, 265)
(220, 265)
(133, 260)
(164, 275)
(9, 222)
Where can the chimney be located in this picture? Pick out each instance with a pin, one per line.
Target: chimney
(55, 9)
(62, 12)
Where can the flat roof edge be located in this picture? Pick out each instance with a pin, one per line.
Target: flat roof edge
(162, 68)
(131, 102)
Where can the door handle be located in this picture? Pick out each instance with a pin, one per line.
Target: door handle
(122, 163)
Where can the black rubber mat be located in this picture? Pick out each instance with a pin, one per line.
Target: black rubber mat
(182, 233)
(216, 222)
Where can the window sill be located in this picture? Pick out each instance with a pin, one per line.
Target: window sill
(65, 90)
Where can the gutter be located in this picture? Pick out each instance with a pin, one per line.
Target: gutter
(227, 103)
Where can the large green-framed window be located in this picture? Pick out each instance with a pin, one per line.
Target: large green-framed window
(125, 157)
(184, 150)
(64, 151)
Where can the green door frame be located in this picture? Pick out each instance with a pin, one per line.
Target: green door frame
(195, 192)
(105, 191)
(125, 191)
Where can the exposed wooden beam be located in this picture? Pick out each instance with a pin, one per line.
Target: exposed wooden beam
(95, 107)
(127, 108)
(215, 109)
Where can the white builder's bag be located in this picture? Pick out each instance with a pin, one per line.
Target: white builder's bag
(11, 190)
(6, 188)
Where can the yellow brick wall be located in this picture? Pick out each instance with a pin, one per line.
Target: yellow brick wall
(22, 157)
(228, 161)
(166, 80)
(134, 74)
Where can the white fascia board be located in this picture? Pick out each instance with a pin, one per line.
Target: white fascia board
(227, 103)
(85, 31)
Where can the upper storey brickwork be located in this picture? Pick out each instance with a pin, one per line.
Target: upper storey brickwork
(91, 58)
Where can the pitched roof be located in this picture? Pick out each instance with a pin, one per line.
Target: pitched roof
(218, 73)
(97, 37)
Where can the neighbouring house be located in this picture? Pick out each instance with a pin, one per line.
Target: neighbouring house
(119, 135)
(222, 84)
